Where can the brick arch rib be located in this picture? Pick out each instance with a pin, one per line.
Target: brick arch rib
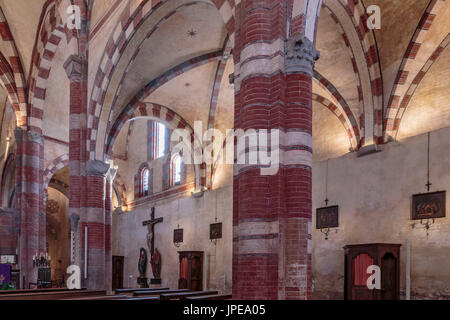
(349, 124)
(14, 82)
(358, 14)
(159, 113)
(416, 82)
(355, 70)
(56, 165)
(48, 38)
(131, 20)
(345, 111)
(396, 103)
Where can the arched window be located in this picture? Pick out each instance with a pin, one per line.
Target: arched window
(158, 140)
(145, 176)
(176, 169)
(161, 140)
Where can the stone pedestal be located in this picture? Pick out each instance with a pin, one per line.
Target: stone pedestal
(142, 282)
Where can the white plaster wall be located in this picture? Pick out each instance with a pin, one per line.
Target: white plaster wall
(194, 215)
(374, 198)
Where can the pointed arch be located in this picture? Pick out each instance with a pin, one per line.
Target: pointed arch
(347, 121)
(11, 73)
(56, 165)
(132, 18)
(415, 84)
(48, 37)
(395, 108)
(162, 114)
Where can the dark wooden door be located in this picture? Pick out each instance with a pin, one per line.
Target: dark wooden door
(197, 273)
(117, 272)
(357, 260)
(191, 270)
(388, 277)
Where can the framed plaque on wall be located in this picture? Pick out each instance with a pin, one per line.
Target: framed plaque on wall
(428, 205)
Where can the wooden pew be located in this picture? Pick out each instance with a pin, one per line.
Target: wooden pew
(182, 295)
(158, 293)
(115, 297)
(3, 292)
(130, 291)
(141, 298)
(70, 294)
(212, 297)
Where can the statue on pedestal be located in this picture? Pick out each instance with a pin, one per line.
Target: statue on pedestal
(156, 267)
(142, 267)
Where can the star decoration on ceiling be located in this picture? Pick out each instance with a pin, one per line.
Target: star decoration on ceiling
(192, 33)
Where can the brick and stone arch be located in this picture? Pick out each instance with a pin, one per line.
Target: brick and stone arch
(162, 114)
(351, 19)
(183, 67)
(416, 82)
(111, 65)
(345, 111)
(56, 165)
(11, 73)
(50, 33)
(400, 95)
(8, 181)
(132, 18)
(348, 121)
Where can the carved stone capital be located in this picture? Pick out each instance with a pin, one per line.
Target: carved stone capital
(31, 136)
(97, 168)
(76, 68)
(34, 137)
(74, 219)
(301, 55)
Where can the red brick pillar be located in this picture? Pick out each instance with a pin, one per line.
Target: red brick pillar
(76, 68)
(29, 200)
(9, 223)
(95, 220)
(272, 213)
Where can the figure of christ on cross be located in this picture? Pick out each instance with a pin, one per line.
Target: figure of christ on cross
(151, 231)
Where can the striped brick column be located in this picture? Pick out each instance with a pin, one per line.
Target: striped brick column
(29, 200)
(76, 69)
(295, 225)
(272, 213)
(95, 221)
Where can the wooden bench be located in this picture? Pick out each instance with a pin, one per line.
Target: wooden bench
(158, 293)
(115, 297)
(212, 297)
(183, 295)
(130, 291)
(141, 298)
(70, 294)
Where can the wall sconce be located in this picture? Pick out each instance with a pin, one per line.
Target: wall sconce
(198, 193)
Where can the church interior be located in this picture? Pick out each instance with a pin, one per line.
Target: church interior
(92, 179)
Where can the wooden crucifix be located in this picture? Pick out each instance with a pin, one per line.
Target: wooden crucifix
(151, 231)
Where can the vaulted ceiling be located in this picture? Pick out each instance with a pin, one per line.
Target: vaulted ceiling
(409, 55)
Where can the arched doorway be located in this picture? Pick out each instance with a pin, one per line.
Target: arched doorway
(58, 226)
